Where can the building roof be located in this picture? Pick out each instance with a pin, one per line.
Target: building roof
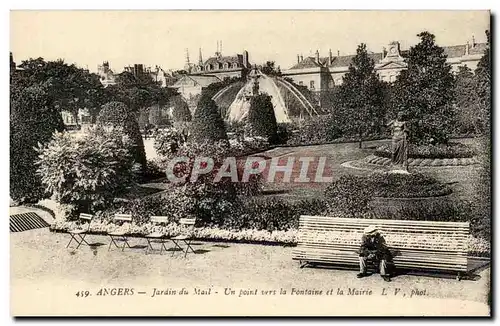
(220, 59)
(453, 51)
(202, 80)
(308, 62)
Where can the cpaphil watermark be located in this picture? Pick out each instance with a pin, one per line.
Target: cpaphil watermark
(290, 169)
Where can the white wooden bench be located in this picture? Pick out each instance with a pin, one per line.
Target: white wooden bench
(416, 245)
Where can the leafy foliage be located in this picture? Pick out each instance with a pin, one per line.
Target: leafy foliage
(424, 93)
(351, 195)
(180, 111)
(361, 97)
(168, 141)
(261, 118)
(33, 119)
(68, 87)
(314, 130)
(89, 171)
(483, 88)
(207, 124)
(158, 117)
(117, 114)
(449, 150)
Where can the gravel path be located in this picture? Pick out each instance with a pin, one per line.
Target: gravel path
(43, 269)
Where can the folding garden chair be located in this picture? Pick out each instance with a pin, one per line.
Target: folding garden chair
(157, 236)
(80, 233)
(120, 235)
(186, 235)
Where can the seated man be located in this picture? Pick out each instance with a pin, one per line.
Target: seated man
(373, 248)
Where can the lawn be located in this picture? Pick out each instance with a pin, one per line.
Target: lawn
(461, 178)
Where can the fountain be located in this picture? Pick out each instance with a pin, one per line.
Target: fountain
(273, 86)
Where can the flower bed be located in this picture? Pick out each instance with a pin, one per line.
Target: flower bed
(477, 246)
(450, 150)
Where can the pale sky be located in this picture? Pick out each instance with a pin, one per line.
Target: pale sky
(87, 38)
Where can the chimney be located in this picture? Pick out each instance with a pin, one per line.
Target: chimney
(467, 48)
(338, 53)
(473, 42)
(298, 58)
(301, 58)
(384, 52)
(330, 56)
(317, 56)
(200, 59)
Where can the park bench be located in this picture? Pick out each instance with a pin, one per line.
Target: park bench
(415, 245)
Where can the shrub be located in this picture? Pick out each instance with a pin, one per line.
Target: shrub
(273, 214)
(117, 114)
(180, 109)
(153, 171)
(168, 141)
(32, 121)
(351, 195)
(261, 118)
(415, 185)
(314, 130)
(207, 124)
(450, 150)
(158, 118)
(87, 172)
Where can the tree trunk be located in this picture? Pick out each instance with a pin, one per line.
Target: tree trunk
(360, 139)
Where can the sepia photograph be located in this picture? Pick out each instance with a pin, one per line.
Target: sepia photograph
(262, 163)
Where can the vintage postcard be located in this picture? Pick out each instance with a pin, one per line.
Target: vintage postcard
(250, 163)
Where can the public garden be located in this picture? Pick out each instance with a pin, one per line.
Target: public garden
(244, 231)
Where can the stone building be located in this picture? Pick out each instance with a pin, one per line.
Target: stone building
(218, 65)
(189, 86)
(107, 76)
(323, 73)
(166, 78)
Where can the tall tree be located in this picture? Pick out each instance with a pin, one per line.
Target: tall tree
(424, 92)
(70, 88)
(483, 87)
(361, 97)
(139, 91)
(466, 99)
(117, 114)
(261, 118)
(207, 124)
(33, 120)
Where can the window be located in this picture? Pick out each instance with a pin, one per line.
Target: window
(301, 83)
(311, 84)
(226, 65)
(235, 65)
(220, 65)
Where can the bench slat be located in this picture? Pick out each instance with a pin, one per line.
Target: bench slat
(416, 244)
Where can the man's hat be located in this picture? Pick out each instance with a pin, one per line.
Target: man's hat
(370, 229)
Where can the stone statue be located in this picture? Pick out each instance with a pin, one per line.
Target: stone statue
(399, 130)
